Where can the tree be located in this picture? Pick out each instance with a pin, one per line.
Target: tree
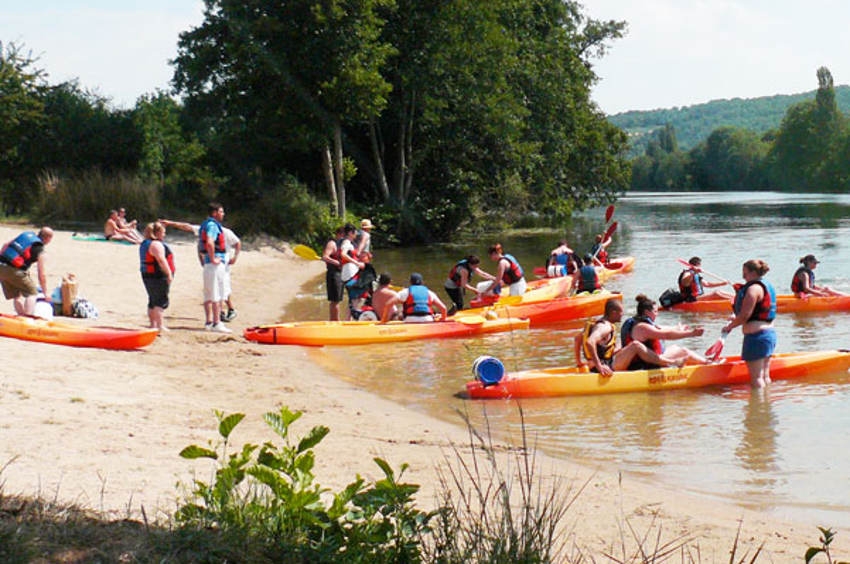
(730, 159)
(264, 75)
(809, 132)
(21, 113)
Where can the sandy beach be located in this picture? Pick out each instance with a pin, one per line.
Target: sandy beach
(104, 428)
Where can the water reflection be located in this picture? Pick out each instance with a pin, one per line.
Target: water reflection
(757, 449)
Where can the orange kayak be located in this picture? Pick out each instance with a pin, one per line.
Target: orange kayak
(58, 333)
(573, 381)
(536, 291)
(549, 311)
(321, 333)
(785, 303)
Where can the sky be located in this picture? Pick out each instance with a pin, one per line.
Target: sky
(675, 53)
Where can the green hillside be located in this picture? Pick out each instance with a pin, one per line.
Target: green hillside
(693, 124)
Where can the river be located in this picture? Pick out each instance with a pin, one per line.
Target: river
(777, 451)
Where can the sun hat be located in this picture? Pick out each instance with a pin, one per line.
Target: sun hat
(366, 224)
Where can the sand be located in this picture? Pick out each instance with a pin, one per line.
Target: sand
(104, 428)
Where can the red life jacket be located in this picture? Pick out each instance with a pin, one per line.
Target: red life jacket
(148, 264)
(797, 286)
(514, 272)
(692, 290)
(219, 247)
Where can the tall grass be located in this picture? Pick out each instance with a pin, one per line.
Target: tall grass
(87, 197)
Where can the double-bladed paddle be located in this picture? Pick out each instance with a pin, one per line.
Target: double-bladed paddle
(685, 263)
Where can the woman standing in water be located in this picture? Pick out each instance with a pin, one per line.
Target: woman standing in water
(755, 310)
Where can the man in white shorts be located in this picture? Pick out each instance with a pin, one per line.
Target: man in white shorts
(212, 248)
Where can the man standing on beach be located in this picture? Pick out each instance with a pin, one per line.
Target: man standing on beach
(16, 257)
(213, 251)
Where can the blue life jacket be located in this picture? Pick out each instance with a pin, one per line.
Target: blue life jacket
(418, 301)
(19, 251)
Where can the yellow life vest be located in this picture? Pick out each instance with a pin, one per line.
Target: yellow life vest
(605, 350)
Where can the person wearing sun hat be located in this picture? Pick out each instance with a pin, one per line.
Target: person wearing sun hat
(803, 283)
(363, 240)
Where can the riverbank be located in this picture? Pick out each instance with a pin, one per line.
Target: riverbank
(104, 428)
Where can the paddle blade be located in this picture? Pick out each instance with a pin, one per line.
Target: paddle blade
(305, 252)
(610, 231)
(713, 352)
(470, 319)
(609, 213)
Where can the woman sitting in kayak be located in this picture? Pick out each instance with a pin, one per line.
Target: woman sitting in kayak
(642, 328)
(692, 285)
(803, 284)
(598, 345)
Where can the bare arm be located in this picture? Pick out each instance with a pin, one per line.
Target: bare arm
(181, 225)
(645, 332)
(748, 305)
(42, 274)
(327, 254)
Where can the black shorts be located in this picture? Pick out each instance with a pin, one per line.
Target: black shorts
(157, 289)
(333, 280)
(456, 295)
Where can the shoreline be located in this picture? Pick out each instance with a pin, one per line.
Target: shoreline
(104, 428)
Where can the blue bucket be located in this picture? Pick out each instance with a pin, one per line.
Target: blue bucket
(488, 370)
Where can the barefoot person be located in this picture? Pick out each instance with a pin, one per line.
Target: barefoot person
(755, 310)
(112, 230)
(642, 328)
(598, 345)
(803, 284)
(156, 263)
(16, 257)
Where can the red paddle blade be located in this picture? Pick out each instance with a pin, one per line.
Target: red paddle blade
(609, 213)
(713, 352)
(610, 231)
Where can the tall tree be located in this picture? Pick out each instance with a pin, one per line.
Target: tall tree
(267, 75)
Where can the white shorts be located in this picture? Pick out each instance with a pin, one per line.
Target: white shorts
(214, 275)
(227, 287)
(419, 319)
(518, 287)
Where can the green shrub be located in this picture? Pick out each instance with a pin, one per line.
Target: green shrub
(266, 500)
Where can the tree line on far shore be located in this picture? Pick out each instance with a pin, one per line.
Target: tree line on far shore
(808, 152)
(426, 116)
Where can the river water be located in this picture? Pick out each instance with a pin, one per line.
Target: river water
(780, 451)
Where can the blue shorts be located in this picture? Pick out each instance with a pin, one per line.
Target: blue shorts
(759, 345)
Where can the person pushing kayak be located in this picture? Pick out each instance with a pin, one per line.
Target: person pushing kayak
(459, 280)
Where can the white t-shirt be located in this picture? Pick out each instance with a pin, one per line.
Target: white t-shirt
(349, 269)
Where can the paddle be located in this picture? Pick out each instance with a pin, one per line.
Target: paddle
(685, 263)
(305, 252)
(609, 213)
(713, 352)
(607, 236)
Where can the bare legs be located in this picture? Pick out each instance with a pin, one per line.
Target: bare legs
(759, 372)
(627, 354)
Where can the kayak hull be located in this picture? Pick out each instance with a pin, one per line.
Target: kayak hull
(536, 291)
(578, 306)
(341, 333)
(58, 333)
(785, 303)
(573, 381)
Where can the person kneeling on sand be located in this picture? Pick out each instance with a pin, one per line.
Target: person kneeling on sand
(598, 345)
(417, 303)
